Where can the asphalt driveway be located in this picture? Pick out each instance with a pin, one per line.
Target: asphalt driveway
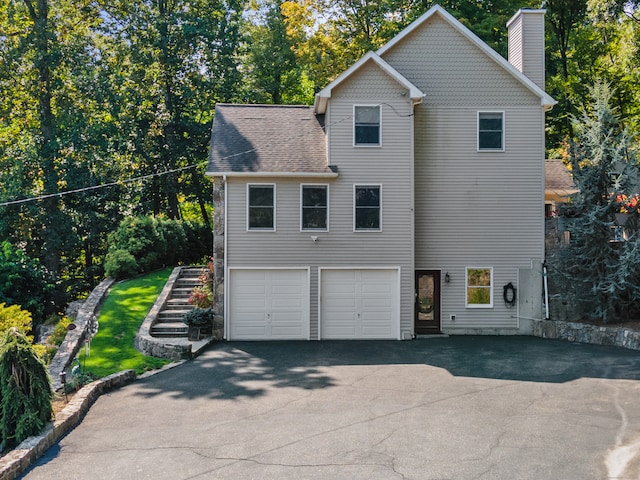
(445, 408)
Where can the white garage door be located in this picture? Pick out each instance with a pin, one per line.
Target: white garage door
(361, 303)
(268, 304)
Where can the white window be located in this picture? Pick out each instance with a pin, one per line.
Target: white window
(261, 207)
(366, 125)
(314, 206)
(491, 131)
(367, 206)
(479, 287)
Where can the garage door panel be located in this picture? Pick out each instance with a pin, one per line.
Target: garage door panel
(268, 304)
(359, 303)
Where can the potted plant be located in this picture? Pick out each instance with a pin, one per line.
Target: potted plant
(199, 321)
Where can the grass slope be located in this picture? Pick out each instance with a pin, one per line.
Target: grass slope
(122, 313)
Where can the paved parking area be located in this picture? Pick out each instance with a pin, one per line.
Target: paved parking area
(442, 408)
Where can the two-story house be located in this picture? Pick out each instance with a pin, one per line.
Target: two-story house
(408, 200)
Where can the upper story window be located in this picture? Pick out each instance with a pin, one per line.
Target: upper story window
(491, 131)
(261, 207)
(366, 125)
(314, 207)
(479, 287)
(367, 208)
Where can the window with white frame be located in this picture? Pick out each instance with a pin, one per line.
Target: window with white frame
(314, 205)
(367, 204)
(261, 207)
(491, 131)
(366, 130)
(479, 287)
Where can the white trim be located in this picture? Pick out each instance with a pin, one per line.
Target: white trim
(365, 230)
(307, 295)
(545, 99)
(302, 185)
(249, 185)
(323, 96)
(466, 286)
(504, 123)
(398, 270)
(274, 174)
(368, 145)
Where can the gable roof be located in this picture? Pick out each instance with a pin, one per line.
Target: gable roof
(558, 184)
(545, 99)
(262, 140)
(322, 97)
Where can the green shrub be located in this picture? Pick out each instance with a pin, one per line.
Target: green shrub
(144, 244)
(120, 264)
(25, 390)
(59, 331)
(24, 281)
(198, 317)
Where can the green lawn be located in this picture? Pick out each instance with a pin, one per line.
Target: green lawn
(121, 315)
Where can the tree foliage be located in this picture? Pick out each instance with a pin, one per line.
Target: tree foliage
(25, 390)
(602, 261)
(100, 93)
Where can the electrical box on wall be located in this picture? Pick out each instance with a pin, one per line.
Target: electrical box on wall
(452, 317)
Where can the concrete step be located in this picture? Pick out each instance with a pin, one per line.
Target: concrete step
(182, 304)
(170, 330)
(171, 315)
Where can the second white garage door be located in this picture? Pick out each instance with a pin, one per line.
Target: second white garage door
(268, 304)
(359, 303)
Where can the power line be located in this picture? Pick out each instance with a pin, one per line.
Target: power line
(167, 172)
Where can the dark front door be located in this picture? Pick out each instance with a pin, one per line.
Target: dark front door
(427, 302)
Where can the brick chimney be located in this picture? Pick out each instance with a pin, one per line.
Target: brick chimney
(526, 43)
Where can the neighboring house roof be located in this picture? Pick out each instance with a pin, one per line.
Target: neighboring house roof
(323, 96)
(546, 101)
(558, 184)
(264, 140)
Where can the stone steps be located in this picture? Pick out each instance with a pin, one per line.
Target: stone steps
(169, 320)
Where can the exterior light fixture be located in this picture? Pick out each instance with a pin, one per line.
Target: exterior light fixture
(447, 277)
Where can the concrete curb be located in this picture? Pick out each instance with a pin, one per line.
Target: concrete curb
(19, 459)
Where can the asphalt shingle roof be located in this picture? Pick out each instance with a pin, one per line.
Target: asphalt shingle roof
(267, 139)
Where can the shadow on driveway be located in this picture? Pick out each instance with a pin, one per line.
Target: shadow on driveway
(248, 369)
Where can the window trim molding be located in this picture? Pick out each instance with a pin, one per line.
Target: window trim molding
(504, 142)
(466, 289)
(249, 229)
(367, 230)
(368, 145)
(302, 185)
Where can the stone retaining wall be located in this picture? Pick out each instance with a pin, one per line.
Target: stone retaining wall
(587, 333)
(19, 459)
(157, 347)
(75, 338)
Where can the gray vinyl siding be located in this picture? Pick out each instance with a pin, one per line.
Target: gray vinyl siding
(526, 45)
(478, 209)
(389, 166)
(426, 59)
(515, 44)
(472, 209)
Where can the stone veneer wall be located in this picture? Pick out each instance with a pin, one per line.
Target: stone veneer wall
(587, 333)
(218, 254)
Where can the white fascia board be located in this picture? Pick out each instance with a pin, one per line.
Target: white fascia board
(546, 100)
(274, 174)
(323, 95)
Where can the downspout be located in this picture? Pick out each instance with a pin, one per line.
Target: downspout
(225, 268)
(546, 291)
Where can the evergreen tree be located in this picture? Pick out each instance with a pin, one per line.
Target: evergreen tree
(602, 261)
(25, 390)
